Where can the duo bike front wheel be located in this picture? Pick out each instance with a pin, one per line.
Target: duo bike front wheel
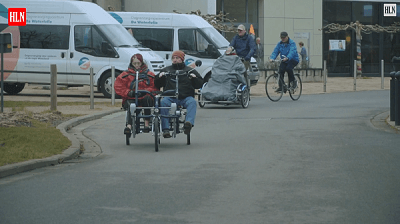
(156, 128)
(272, 87)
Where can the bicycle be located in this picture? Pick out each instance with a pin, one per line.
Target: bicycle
(275, 80)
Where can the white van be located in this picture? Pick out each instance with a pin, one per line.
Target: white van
(75, 36)
(167, 32)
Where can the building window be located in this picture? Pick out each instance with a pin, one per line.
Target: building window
(244, 11)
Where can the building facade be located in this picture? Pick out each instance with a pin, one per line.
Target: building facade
(303, 21)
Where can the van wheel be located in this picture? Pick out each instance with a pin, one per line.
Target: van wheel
(13, 88)
(106, 86)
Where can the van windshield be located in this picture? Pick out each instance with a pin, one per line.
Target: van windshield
(216, 37)
(118, 36)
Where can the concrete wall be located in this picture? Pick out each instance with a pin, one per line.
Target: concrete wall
(293, 16)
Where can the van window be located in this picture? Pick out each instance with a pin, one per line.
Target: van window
(88, 40)
(193, 42)
(44, 36)
(155, 39)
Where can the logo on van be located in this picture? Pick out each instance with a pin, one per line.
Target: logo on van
(117, 17)
(189, 61)
(84, 63)
(3, 11)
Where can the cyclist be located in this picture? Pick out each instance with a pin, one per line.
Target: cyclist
(125, 85)
(288, 51)
(244, 46)
(187, 86)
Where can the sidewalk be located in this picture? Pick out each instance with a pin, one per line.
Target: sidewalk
(333, 85)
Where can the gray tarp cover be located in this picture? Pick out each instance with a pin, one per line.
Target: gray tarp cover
(226, 74)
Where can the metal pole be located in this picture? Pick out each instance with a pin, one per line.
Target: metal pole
(2, 78)
(392, 98)
(355, 75)
(382, 74)
(397, 101)
(53, 87)
(112, 85)
(91, 89)
(325, 71)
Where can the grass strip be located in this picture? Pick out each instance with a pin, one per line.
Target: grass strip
(18, 144)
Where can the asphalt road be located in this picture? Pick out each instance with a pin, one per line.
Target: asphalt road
(317, 160)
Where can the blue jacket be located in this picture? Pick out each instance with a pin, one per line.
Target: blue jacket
(288, 49)
(245, 46)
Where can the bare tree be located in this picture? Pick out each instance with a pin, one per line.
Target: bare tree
(218, 21)
(359, 29)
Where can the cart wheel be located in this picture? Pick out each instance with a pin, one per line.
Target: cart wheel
(188, 139)
(244, 100)
(127, 136)
(201, 104)
(156, 132)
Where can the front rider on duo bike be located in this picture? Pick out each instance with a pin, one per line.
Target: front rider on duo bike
(288, 51)
(125, 87)
(186, 89)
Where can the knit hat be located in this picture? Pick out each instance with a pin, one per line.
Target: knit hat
(179, 54)
(138, 56)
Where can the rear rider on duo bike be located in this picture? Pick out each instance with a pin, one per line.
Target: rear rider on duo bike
(288, 51)
(187, 86)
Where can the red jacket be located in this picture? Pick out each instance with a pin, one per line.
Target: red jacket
(125, 82)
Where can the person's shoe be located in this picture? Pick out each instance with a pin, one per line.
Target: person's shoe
(127, 131)
(293, 85)
(146, 129)
(279, 90)
(166, 134)
(187, 127)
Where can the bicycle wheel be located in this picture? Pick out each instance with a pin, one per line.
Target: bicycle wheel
(201, 104)
(127, 136)
(244, 98)
(295, 93)
(271, 87)
(156, 128)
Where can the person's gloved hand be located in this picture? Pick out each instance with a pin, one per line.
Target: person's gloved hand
(131, 93)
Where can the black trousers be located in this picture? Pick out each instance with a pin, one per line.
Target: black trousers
(147, 101)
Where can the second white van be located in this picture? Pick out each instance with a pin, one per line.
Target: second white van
(167, 32)
(75, 36)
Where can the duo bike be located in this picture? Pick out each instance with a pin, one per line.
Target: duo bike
(176, 116)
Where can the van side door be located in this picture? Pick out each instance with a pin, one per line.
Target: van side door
(86, 52)
(40, 46)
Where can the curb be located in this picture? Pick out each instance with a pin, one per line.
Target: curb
(71, 153)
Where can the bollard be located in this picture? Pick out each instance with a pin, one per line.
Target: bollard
(355, 75)
(325, 72)
(91, 89)
(53, 87)
(382, 74)
(397, 99)
(112, 85)
(392, 96)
